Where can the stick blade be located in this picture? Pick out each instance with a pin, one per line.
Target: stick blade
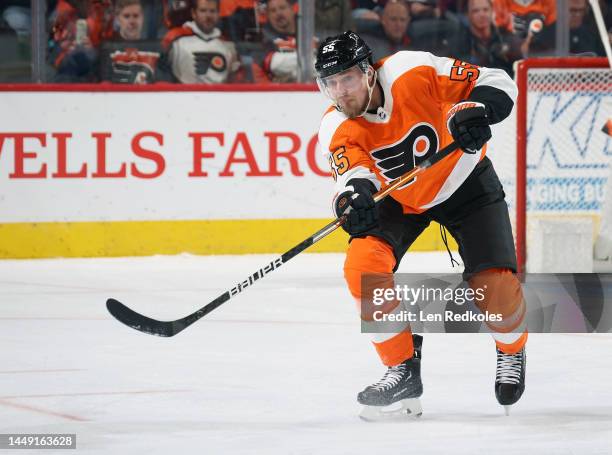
(139, 322)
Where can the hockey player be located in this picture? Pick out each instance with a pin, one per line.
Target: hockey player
(385, 119)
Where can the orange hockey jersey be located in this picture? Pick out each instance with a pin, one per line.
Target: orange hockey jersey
(419, 89)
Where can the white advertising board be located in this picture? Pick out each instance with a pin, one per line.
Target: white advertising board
(105, 156)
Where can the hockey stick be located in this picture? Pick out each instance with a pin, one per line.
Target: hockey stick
(170, 328)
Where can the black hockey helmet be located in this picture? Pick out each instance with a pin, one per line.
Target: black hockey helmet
(341, 52)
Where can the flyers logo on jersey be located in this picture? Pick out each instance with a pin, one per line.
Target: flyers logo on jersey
(133, 66)
(419, 144)
(204, 61)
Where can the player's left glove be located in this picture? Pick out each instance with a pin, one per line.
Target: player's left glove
(468, 124)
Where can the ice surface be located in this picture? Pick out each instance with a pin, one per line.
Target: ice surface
(275, 370)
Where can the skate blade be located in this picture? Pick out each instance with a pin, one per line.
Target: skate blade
(410, 407)
(507, 409)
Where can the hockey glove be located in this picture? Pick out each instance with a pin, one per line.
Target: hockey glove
(358, 203)
(468, 124)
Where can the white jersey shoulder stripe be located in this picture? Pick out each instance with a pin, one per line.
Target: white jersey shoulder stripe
(499, 79)
(404, 61)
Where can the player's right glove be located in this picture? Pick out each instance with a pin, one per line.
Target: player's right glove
(469, 125)
(363, 213)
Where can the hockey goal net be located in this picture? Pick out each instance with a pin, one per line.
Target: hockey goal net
(562, 157)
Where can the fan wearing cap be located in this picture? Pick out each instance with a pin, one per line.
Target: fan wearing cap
(386, 118)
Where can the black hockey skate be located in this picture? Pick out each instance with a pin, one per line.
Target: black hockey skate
(398, 392)
(510, 378)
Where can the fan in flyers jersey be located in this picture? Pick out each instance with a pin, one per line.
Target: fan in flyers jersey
(386, 118)
(198, 53)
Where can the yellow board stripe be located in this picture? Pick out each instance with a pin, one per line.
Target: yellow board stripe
(144, 238)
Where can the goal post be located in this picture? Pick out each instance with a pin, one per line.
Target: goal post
(562, 156)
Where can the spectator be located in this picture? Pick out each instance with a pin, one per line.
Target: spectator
(532, 21)
(332, 17)
(281, 16)
(126, 58)
(79, 28)
(392, 35)
(483, 43)
(279, 38)
(197, 52)
(584, 36)
(129, 16)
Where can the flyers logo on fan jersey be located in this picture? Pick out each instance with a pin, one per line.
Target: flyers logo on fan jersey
(419, 89)
(203, 61)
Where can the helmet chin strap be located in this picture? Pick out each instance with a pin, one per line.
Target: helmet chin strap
(370, 90)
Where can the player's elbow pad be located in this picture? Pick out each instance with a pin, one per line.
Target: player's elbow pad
(497, 102)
